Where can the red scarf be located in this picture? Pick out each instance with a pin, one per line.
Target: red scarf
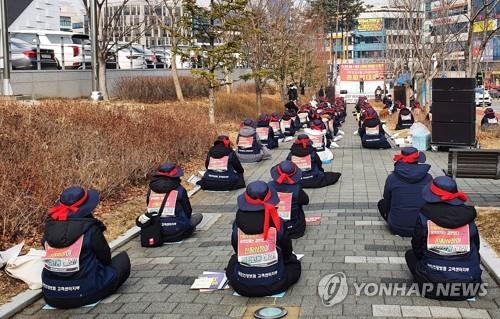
(167, 174)
(304, 142)
(316, 127)
(447, 196)
(225, 141)
(61, 211)
(285, 177)
(270, 211)
(409, 159)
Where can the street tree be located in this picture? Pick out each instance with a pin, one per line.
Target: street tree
(217, 29)
(175, 23)
(112, 32)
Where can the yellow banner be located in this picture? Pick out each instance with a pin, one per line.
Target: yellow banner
(484, 25)
(372, 24)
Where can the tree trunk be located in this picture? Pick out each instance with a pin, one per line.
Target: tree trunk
(175, 75)
(211, 105)
(228, 80)
(103, 87)
(428, 93)
(258, 96)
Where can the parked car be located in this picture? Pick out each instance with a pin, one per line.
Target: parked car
(482, 97)
(494, 93)
(71, 50)
(24, 56)
(130, 57)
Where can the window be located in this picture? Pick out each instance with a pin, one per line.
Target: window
(28, 37)
(59, 39)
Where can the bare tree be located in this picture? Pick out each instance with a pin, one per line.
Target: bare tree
(429, 47)
(112, 28)
(482, 27)
(175, 24)
(222, 20)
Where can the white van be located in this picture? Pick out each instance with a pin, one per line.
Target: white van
(71, 50)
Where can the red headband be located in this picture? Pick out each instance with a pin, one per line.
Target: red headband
(61, 211)
(270, 212)
(168, 174)
(410, 159)
(447, 196)
(285, 176)
(304, 142)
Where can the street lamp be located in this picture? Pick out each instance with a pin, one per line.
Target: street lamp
(7, 89)
(96, 94)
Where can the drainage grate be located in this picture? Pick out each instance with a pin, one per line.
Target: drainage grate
(178, 280)
(386, 248)
(215, 243)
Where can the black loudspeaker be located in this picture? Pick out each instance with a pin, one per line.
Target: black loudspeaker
(399, 94)
(453, 84)
(453, 96)
(454, 111)
(451, 112)
(453, 133)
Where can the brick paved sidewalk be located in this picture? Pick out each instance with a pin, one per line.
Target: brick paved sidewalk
(351, 238)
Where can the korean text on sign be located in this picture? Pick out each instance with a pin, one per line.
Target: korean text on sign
(444, 241)
(254, 251)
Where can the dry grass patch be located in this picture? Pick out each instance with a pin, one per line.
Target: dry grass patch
(488, 222)
(238, 106)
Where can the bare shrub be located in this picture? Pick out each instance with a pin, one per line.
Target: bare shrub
(108, 147)
(238, 106)
(156, 89)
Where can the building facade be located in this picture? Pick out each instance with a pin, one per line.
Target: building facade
(33, 15)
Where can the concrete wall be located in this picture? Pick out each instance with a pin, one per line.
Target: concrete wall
(75, 84)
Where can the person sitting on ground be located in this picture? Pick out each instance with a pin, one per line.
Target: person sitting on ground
(251, 271)
(224, 171)
(489, 120)
(91, 274)
(168, 198)
(250, 149)
(287, 125)
(403, 191)
(387, 101)
(372, 134)
(318, 133)
(291, 106)
(303, 154)
(445, 245)
(304, 115)
(405, 119)
(275, 123)
(286, 182)
(266, 133)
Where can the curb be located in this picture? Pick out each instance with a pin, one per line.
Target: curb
(490, 259)
(27, 297)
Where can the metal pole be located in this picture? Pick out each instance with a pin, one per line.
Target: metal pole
(7, 90)
(96, 94)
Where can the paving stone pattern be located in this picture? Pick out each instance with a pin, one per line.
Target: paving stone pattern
(351, 239)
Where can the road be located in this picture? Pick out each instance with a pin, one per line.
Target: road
(496, 105)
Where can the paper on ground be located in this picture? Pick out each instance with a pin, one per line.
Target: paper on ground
(48, 307)
(280, 295)
(202, 283)
(10, 253)
(193, 179)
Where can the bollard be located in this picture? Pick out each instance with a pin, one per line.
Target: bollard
(38, 57)
(62, 54)
(144, 62)
(131, 57)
